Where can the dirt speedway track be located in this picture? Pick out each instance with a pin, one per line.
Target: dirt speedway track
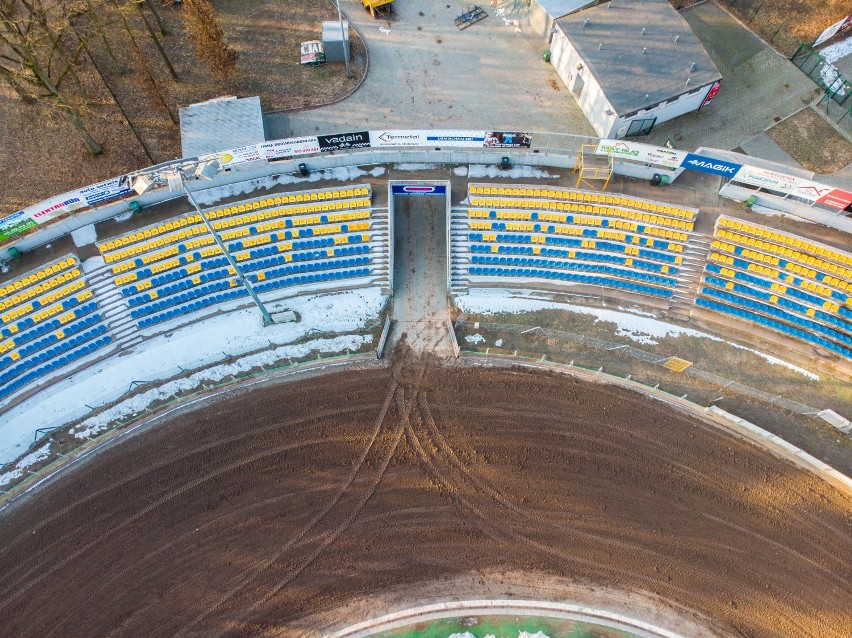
(270, 511)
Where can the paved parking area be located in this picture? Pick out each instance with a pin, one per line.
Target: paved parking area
(425, 73)
(759, 86)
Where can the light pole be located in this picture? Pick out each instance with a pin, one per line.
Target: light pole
(345, 42)
(267, 318)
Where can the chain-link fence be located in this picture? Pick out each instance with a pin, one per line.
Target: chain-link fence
(645, 356)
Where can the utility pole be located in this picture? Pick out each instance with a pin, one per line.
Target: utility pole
(345, 41)
(267, 318)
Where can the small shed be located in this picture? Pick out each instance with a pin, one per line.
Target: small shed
(335, 41)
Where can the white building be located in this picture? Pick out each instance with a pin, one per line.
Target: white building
(544, 13)
(632, 64)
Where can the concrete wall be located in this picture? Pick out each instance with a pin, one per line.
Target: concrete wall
(832, 219)
(665, 112)
(540, 24)
(592, 100)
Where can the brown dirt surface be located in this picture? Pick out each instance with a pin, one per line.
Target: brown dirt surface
(263, 510)
(40, 156)
(783, 23)
(812, 142)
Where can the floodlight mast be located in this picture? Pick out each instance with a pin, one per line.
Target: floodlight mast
(267, 318)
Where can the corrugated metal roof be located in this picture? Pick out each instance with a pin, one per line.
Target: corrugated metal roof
(220, 124)
(627, 75)
(559, 8)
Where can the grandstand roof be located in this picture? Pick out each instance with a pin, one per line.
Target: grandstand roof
(220, 124)
(609, 38)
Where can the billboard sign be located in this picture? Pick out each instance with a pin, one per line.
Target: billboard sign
(15, 224)
(833, 30)
(710, 165)
(343, 141)
(644, 153)
(399, 138)
(236, 156)
(418, 189)
(285, 149)
(474, 139)
(312, 52)
(104, 191)
(507, 139)
(765, 178)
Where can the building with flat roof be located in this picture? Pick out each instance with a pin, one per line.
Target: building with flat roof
(632, 64)
(220, 124)
(544, 13)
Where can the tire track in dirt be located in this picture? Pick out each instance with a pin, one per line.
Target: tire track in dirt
(23, 587)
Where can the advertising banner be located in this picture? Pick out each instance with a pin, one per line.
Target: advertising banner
(710, 165)
(15, 224)
(837, 198)
(419, 189)
(104, 191)
(833, 30)
(236, 156)
(285, 149)
(399, 138)
(507, 139)
(644, 153)
(343, 141)
(474, 139)
(765, 178)
(312, 52)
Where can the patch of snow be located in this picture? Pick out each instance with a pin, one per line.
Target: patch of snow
(124, 216)
(772, 212)
(84, 235)
(461, 171)
(498, 343)
(21, 466)
(481, 170)
(477, 338)
(636, 311)
(640, 329)
(837, 50)
(538, 634)
(466, 634)
(209, 196)
(101, 422)
(192, 346)
(92, 263)
(414, 166)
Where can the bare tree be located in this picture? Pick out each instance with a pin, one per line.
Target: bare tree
(35, 61)
(202, 27)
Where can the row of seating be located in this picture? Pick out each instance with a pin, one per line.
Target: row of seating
(34, 344)
(35, 278)
(65, 358)
(779, 301)
(793, 260)
(580, 196)
(575, 255)
(194, 305)
(165, 289)
(776, 287)
(790, 330)
(607, 211)
(512, 238)
(798, 244)
(312, 278)
(49, 354)
(572, 266)
(289, 214)
(594, 280)
(181, 296)
(573, 224)
(313, 266)
(36, 330)
(219, 213)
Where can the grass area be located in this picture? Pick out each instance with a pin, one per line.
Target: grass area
(135, 119)
(812, 142)
(503, 627)
(710, 355)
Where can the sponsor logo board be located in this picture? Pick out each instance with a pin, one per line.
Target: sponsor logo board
(418, 189)
(711, 93)
(312, 52)
(342, 141)
(765, 178)
(507, 139)
(710, 165)
(283, 149)
(645, 153)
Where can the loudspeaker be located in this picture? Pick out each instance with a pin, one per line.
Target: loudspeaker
(303, 170)
(505, 164)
